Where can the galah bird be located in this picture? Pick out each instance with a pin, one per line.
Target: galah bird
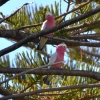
(48, 23)
(58, 56)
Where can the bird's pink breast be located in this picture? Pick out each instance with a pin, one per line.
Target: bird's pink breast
(50, 23)
(60, 57)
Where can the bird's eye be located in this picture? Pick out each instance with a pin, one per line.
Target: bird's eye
(65, 47)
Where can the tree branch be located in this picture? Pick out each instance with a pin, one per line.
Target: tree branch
(2, 2)
(72, 42)
(86, 24)
(44, 32)
(29, 26)
(43, 71)
(73, 9)
(82, 86)
(27, 71)
(87, 52)
(52, 40)
(3, 19)
(86, 36)
(5, 92)
(16, 36)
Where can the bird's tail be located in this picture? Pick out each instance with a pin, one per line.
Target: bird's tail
(42, 43)
(46, 79)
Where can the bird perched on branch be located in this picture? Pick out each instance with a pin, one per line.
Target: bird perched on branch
(48, 23)
(58, 56)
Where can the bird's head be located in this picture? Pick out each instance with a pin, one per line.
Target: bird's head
(61, 48)
(48, 15)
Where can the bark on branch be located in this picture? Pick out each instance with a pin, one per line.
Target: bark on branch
(82, 86)
(2, 2)
(44, 71)
(4, 91)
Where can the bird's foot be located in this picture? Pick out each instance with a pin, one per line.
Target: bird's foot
(45, 80)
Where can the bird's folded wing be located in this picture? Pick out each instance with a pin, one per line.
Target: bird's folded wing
(44, 25)
(53, 58)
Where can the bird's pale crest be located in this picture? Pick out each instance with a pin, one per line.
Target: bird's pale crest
(63, 44)
(48, 13)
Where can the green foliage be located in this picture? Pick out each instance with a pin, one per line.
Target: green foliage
(82, 1)
(5, 61)
(81, 56)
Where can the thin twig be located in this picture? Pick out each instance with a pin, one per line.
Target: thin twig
(14, 12)
(26, 88)
(56, 94)
(66, 11)
(87, 52)
(79, 31)
(73, 10)
(29, 26)
(66, 1)
(85, 25)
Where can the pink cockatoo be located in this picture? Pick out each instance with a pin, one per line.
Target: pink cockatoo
(48, 23)
(58, 56)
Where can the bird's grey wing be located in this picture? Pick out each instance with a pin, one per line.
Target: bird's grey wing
(44, 25)
(53, 58)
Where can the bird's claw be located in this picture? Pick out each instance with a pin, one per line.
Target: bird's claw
(46, 81)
